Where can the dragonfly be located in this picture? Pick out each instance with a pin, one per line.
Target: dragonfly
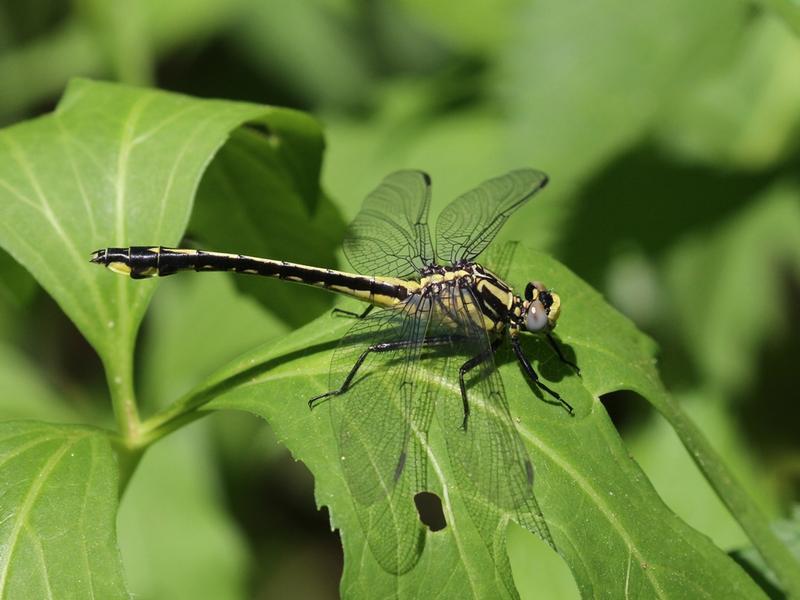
(434, 321)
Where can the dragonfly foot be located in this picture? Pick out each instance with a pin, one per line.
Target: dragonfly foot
(316, 400)
(556, 396)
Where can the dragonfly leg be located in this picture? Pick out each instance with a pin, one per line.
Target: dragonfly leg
(466, 368)
(526, 366)
(554, 345)
(382, 347)
(352, 314)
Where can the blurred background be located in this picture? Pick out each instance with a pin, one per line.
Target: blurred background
(670, 132)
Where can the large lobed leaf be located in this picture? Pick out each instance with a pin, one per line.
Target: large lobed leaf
(58, 505)
(607, 521)
(118, 166)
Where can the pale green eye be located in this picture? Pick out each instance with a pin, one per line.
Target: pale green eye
(536, 317)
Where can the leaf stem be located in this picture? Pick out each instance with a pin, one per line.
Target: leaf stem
(119, 370)
(741, 505)
(158, 426)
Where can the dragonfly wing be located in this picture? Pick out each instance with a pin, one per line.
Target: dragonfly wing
(390, 234)
(470, 222)
(499, 258)
(489, 457)
(379, 424)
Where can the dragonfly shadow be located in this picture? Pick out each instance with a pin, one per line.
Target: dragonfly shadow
(548, 366)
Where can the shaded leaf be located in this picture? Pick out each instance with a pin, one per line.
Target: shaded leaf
(755, 249)
(289, 39)
(565, 77)
(58, 502)
(747, 114)
(176, 355)
(17, 287)
(258, 198)
(24, 394)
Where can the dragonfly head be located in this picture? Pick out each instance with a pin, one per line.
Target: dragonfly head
(541, 308)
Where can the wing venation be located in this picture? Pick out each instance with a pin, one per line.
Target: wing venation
(390, 234)
(470, 222)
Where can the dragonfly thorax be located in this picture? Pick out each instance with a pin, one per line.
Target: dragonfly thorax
(490, 298)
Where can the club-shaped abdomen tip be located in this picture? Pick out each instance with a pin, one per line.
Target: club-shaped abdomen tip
(116, 259)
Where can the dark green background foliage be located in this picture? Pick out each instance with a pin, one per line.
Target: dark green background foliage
(670, 132)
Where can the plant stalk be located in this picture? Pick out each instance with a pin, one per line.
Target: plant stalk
(123, 399)
(739, 503)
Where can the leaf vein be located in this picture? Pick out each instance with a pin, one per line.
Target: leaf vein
(26, 507)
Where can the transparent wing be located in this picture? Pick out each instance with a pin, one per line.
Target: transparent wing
(499, 258)
(489, 455)
(379, 422)
(469, 223)
(390, 234)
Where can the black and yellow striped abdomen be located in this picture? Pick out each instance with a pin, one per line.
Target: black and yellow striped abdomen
(140, 262)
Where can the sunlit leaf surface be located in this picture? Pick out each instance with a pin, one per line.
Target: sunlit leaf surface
(608, 523)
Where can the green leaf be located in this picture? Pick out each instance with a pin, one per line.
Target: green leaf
(656, 448)
(259, 199)
(58, 502)
(609, 525)
(112, 166)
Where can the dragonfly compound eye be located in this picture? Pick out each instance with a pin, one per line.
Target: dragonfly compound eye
(533, 289)
(535, 317)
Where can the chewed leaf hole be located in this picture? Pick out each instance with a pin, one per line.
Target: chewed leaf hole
(429, 509)
(628, 410)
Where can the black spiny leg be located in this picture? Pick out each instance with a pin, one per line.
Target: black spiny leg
(526, 366)
(383, 347)
(352, 314)
(466, 368)
(561, 357)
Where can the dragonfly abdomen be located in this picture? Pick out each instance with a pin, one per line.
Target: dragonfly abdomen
(141, 262)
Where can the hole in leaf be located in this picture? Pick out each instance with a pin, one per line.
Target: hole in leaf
(628, 410)
(429, 509)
